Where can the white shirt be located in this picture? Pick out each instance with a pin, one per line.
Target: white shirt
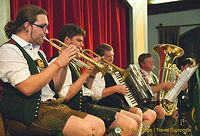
(68, 82)
(98, 86)
(151, 81)
(14, 68)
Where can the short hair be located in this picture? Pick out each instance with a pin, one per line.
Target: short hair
(102, 48)
(188, 61)
(142, 57)
(26, 14)
(70, 30)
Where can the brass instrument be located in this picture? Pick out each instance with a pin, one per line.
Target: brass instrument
(123, 72)
(167, 54)
(77, 61)
(139, 91)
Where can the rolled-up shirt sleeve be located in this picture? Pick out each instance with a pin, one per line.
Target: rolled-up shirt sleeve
(68, 81)
(14, 69)
(98, 86)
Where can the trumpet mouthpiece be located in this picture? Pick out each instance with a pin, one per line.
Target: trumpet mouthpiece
(44, 37)
(155, 67)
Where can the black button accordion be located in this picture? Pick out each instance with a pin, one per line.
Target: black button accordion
(139, 92)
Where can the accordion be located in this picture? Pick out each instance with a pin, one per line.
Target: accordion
(139, 92)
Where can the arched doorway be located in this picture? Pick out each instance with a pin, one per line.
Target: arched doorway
(190, 42)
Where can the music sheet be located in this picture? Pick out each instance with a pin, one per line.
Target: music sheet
(174, 92)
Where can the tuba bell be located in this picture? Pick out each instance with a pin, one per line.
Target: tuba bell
(167, 53)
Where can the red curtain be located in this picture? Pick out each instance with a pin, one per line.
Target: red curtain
(103, 20)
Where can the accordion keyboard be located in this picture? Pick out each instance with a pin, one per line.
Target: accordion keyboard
(129, 96)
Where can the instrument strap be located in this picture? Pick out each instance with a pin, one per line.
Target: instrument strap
(75, 68)
(154, 79)
(77, 71)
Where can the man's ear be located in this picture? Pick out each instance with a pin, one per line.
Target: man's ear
(67, 40)
(142, 65)
(27, 26)
(182, 68)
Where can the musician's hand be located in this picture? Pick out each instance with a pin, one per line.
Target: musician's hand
(121, 89)
(66, 55)
(95, 70)
(160, 111)
(167, 85)
(178, 76)
(175, 114)
(185, 86)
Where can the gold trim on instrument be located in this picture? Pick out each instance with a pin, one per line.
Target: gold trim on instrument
(77, 61)
(167, 53)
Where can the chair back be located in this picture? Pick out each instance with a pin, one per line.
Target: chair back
(2, 126)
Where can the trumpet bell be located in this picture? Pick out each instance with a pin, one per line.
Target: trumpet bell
(77, 61)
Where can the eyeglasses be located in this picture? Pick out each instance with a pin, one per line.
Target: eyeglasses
(44, 27)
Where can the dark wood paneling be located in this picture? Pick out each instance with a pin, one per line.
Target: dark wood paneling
(173, 6)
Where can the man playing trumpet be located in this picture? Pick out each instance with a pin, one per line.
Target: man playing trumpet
(111, 94)
(79, 97)
(28, 104)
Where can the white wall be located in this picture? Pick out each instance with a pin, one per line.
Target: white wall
(5, 17)
(167, 19)
(139, 29)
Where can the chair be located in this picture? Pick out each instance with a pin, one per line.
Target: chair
(17, 126)
(2, 126)
(13, 126)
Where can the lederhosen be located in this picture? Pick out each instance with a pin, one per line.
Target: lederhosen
(86, 104)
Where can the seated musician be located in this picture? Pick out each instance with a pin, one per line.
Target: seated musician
(145, 61)
(183, 97)
(184, 64)
(77, 96)
(110, 94)
(28, 104)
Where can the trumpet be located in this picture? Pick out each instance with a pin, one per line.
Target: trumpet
(77, 61)
(123, 72)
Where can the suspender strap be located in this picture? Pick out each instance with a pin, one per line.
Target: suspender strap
(154, 80)
(51, 84)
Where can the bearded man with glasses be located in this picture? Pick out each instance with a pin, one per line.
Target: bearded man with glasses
(28, 104)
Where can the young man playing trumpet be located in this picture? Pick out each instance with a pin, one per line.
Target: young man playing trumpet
(111, 94)
(28, 104)
(79, 97)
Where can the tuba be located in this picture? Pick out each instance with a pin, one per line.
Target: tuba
(167, 72)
